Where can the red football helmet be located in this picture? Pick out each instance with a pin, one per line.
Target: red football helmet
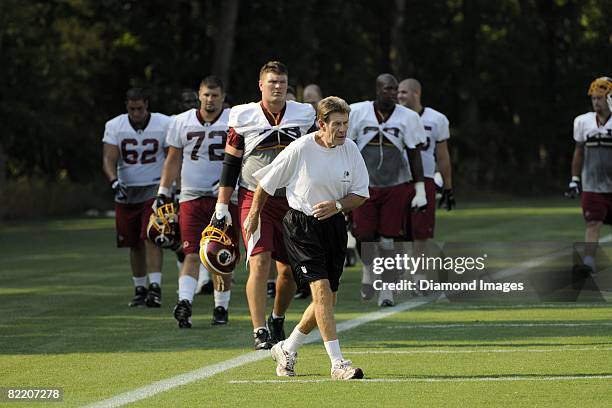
(163, 229)
(218, 252)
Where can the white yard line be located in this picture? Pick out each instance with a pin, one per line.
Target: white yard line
(484, 351)
(213, 369)
(210, 370)
(437, 379)
(460, 325)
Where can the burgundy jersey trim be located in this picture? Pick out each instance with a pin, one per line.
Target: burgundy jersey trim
(144, 125)
(235, 139)
(205, 123)
(273, 119)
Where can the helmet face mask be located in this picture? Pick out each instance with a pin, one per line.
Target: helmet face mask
(163, 228)
(218, 252)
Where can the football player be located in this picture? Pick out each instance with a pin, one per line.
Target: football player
(259, 131)
(383, 131)
(196, 139)
(312, 94)
(420, 225)
(133, 156)
(592, 166)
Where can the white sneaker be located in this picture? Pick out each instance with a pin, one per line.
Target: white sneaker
(342, 370)
(285, 361)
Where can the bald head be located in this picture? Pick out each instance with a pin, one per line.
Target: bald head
(409, 94)
(312, 94)
(386, 92)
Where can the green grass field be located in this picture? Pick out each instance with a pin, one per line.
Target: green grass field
(65, 323)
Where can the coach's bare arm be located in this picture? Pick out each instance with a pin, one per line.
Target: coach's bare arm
(252, 220)
(328, 208)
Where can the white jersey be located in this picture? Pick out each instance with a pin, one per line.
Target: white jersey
(203, 145)
(436, 130)
(141, 152)
(597, 165)
(313, 173)
(383, 144)
(262, 141)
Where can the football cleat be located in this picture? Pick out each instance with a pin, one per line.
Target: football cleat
(261, 340)
(220, 316)
(367, 292)
(342, 370)
(218, 252)
(163, 228)
(277, 331)
(140, 296)
(182, 314)
(285, 361)
(386, 303)
(153, 296)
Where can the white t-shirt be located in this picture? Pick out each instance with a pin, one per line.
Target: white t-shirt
(141, 152)
(313, 173)
(436, 129)
(203, 145)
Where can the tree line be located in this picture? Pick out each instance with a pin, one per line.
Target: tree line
(511, 74)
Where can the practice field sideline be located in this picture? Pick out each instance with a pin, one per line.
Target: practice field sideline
(65, 324)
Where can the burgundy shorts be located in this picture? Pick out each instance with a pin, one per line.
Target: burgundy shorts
(195, 215)
(420, 225)
(131, 221)
(597, 207)
(383, 213)
(271, 239)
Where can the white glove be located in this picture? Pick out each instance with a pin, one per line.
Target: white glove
(222, 215)
(419, 202)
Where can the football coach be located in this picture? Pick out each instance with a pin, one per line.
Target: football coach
(324, 175)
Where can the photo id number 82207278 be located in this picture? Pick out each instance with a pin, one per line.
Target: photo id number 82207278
(8, 394)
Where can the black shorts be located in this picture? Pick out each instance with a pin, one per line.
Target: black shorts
(316, 249)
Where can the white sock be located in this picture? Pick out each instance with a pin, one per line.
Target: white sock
(275, 316)
(366, 276)
(589, 261)
(295, 340)
(222, 298)
(187, 287)
(333, 350)
(155, 277)
(141, 281)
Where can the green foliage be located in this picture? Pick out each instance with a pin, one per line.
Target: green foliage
(39, 197)
(511, 75)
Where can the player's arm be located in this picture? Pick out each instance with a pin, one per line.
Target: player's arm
(252, 221)
(170, 173)
(232, 163)
(575, 185)
(419, 202)
(110, 157)
(444, 166)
